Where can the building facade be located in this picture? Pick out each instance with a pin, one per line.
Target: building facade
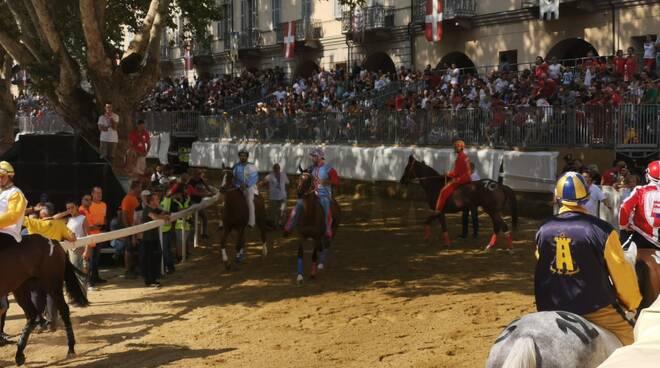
(386, 34)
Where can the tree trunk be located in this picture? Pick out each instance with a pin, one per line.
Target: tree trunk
(7, 123)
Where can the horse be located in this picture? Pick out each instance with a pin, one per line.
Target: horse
(311, 225)
(46, 262)
(552, 340)
(235, 216)
(487, 194)
(648, 276)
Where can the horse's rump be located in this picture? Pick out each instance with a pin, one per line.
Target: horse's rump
(553, 339)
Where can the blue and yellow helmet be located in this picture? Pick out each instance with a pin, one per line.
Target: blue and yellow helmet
(572, 189)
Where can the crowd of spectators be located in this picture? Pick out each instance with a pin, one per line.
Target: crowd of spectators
(616, 79)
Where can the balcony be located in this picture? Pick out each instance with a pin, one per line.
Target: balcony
(453, 9)
(373, 18)
(249, 40)
(588, 5)
(306, 30)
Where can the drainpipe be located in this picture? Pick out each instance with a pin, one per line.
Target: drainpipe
(411, 32)
(613, 27)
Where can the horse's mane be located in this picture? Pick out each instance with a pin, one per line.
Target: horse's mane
(428, 170)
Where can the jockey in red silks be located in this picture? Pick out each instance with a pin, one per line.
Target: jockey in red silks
(459, 175)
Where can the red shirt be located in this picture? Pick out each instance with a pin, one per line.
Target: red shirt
(461, 172)
(139, 141)
(540, 70)
(609, 176)
(641, 211)
(548, 88)
(619, 65)
(631, 68)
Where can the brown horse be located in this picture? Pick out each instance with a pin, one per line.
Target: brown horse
(648, 276)
(45, 262)
(311, 225)
(235, 217)
(487, 194)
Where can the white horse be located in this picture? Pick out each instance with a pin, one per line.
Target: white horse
(552, 340)
(555, 339)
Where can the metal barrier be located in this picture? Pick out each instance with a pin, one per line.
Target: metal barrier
(156, 224)
(46, 123)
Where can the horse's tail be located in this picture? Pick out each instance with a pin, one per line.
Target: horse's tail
(513, 205)
(73, 287)
(522, 354)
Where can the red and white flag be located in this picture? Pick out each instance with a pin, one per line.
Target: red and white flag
(187, 55)
(289, 39)
(433, 20)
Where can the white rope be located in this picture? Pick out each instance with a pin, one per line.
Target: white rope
(122, 233)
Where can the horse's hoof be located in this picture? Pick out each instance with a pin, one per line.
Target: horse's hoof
(20, 359)
(71, 355)
(321, 266)
(264, 250)
(300, 279)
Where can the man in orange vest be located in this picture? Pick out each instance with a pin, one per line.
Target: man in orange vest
(459, 175)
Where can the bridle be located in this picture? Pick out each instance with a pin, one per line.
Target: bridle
(227, 187)
(303, 178)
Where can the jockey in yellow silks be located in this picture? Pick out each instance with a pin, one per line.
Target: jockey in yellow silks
(12, 205)
(12, 210)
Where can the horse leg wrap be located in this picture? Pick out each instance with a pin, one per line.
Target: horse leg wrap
(493, 242)
(224, 256)
(323, 258)
(509, 239)
(427, 232)
(445, 237)
(300, 266)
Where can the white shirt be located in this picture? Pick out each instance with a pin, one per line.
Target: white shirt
(595, 197)
(15, 229)
(554, 71)
(649, 50)
(454, 75)
(475, 177)
(77, 225)
(277, 190)
(109, 135)
(279, 95)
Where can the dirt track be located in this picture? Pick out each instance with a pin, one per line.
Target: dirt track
(386, 300)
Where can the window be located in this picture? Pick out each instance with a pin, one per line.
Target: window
(276, 5)
(306, 9)
(338, 9)
(224, 23)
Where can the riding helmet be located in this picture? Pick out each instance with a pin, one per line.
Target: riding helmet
(653, 172)
(572, 189)
(6, 168)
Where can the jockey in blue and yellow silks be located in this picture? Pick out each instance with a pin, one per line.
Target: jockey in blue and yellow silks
(581, 266)
(246, 177)
(324, 177)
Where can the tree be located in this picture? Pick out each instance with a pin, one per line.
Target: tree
(7, 104)
(64, 43)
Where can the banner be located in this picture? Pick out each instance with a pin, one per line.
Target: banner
(434, 15)
(289, 39)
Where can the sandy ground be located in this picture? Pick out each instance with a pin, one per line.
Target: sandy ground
(387, 299)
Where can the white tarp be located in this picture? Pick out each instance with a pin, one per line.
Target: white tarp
(524, 171)
(530, 171)
(160, 144)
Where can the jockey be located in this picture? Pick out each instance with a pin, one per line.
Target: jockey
(12, 212)
(640, 212)
(460, 174)
(246, 177)
(581, 267)
(324, 177)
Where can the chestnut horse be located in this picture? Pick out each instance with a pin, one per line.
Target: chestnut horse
(311, 225)
(487, 194)
(648, 276)
(45, 262)
(235, 217)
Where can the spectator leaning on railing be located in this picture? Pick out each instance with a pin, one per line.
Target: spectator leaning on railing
(108, 125)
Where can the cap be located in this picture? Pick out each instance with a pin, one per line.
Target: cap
(145, 193)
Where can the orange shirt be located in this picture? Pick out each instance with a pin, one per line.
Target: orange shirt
(128, 205)
(97, 212)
